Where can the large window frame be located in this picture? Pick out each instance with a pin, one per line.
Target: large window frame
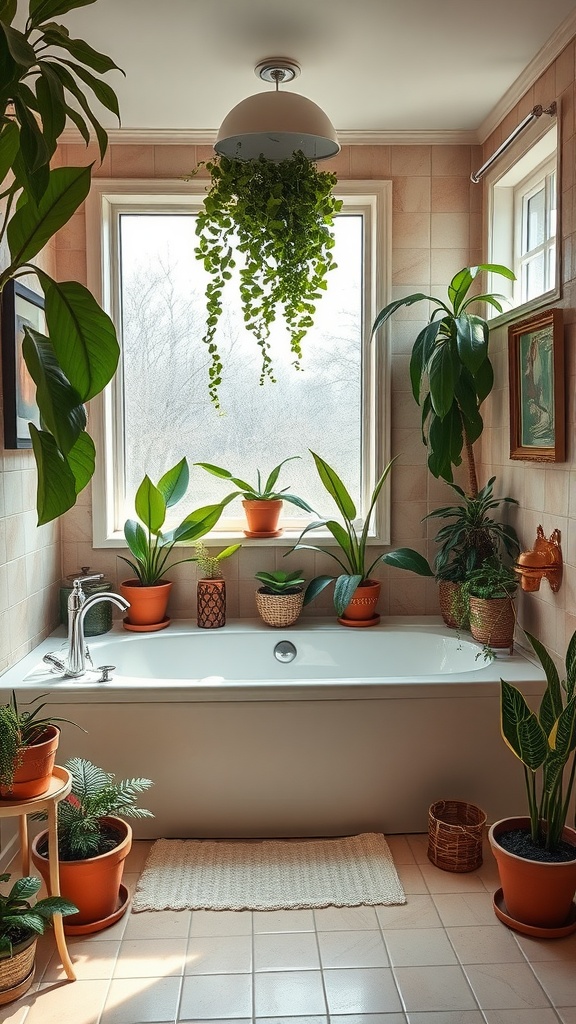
(107, 200)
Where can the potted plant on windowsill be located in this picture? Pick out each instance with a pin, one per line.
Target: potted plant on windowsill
(355, 592)
(21, 922)
(151, 548)
(536, 854)
(262, 503)
(211, 588)
(93, 843)
(28, 747)
(280, 598)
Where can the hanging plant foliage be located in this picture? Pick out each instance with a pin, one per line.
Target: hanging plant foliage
(279, 215)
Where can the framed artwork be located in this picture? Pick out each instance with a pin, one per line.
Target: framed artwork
(536, 378)
(20, 307)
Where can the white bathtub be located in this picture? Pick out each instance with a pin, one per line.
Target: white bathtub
(360, 732)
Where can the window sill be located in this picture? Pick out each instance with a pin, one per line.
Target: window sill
(517, 312)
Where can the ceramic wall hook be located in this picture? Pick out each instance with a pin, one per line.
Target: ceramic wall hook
(544, 561)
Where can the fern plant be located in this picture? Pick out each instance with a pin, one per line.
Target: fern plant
(19, 729)
(20, 919)
(94, 795)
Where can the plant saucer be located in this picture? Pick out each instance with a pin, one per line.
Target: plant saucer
(373, 621)
(501, 911)
(97, 926)
(134, 628)
(272, 533)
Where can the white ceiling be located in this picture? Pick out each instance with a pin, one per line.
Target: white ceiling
(373, 65)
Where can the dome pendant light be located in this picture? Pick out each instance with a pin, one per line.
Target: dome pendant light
(276, 124)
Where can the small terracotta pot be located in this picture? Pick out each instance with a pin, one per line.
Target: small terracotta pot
(211, 604)
(536, 893)
(147, 604)
(362, 607)
(92, 884)
(262, 516)
(34, 771)
(492, 621)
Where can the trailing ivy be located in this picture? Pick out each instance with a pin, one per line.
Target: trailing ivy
(279, 215)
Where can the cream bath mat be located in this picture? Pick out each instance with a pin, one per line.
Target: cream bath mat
(268, 874)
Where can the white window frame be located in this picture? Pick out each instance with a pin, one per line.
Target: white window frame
(512, 176)
(108, 197)
(540, 179)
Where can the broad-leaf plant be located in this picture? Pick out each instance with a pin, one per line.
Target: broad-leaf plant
(20, 918)
(46, 78)
(278, 215)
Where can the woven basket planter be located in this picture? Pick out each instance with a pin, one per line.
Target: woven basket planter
(455, 833)
(279, 609)
(492, 621)
(453, 608)
(17, 971)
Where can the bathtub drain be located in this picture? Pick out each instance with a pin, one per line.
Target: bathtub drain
(285, 651)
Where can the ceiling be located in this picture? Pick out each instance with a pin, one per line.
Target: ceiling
(373, 65)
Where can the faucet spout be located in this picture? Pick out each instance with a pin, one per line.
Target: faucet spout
(76, 661)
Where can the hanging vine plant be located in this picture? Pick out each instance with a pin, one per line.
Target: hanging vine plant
(279, 215)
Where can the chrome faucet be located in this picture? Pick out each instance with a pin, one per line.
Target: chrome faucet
(78, 606)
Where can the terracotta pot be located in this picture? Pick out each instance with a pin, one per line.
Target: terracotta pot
(536, 893)
(92, 884)
(147, 604)
(211, 604)
(453, 605)
(362, 607)
(34, 771)
(17, 971)
(262, 517)
(492, 621)
(279, 609)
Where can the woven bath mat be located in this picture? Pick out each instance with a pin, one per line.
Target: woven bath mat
(268, 874)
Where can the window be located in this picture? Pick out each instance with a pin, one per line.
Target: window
(523, 221)
(158, 409)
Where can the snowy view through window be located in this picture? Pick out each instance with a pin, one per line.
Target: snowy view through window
(167, 413)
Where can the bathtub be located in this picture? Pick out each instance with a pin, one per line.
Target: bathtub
(361, 731)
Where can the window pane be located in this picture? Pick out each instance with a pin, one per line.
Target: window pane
(534, 277)
(552, 201)
(535, 220)
(167, 412)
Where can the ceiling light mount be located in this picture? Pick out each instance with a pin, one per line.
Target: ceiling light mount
(275, 125)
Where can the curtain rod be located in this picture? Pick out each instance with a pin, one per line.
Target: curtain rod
(536, 112)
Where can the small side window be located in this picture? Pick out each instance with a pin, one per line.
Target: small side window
(535, 228)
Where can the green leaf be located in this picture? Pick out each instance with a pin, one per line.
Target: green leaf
(81, 50)
(82, 460)
(33, 149)
(56, 492)
(316, 586)
(102, 91)
(83, 335)
(136, 539)
(32, 226)
(174, 484)
(269, 486)
(407, 558)
(41, 10)
(344, 590)
(150, 505)
(198, 523)
(69, 83)
(335, 487)
(442, 379)
(458, 287)
(25, 888)
(9, 142)
(391, 308)
(472, 340)
(51, 105)
(19, 48)
(521, 729)
(551, 703)
(8, 10)
(421, 353)
(60, 404)
(484, 380)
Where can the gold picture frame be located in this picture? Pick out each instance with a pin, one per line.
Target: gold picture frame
(536, 380)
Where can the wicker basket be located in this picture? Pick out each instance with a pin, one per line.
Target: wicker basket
(492, 621)
(453, 607)
(455, 831)
(279, 609)
(17, 971)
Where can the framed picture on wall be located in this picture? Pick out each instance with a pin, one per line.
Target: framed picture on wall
(536, 378)
(21, 307)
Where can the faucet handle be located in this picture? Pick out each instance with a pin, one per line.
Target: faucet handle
(77, 583)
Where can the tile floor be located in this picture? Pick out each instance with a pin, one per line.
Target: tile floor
(443, 958)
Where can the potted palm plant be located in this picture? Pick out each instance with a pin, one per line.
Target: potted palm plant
(93, 843)
(21, 922)
(28, 745)
(280, 598)
(263, 502)
(355, 592)
(536, 854)
(211, 588)
(151, 547)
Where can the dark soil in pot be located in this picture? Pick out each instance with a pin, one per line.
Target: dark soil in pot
(519, 842)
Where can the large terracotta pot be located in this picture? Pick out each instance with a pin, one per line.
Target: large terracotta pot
(362, 608)
(211, 604)
(34, 771)
(262, 517)
(93, 884)
(492, 621)
(148, 605)
(536, 893)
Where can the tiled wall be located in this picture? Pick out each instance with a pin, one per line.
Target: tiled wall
(546, 492)
(436, 230)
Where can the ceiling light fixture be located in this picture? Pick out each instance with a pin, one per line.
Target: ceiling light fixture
(276, 124)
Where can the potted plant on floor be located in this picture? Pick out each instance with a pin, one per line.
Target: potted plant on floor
(355, 592)
(536, 854)
(21, 922)
(280, 598)
(489, 593)
(211, 588)
(28, 747)
(151, 548)
(281, 213)
(93, 843)
(263, 502)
